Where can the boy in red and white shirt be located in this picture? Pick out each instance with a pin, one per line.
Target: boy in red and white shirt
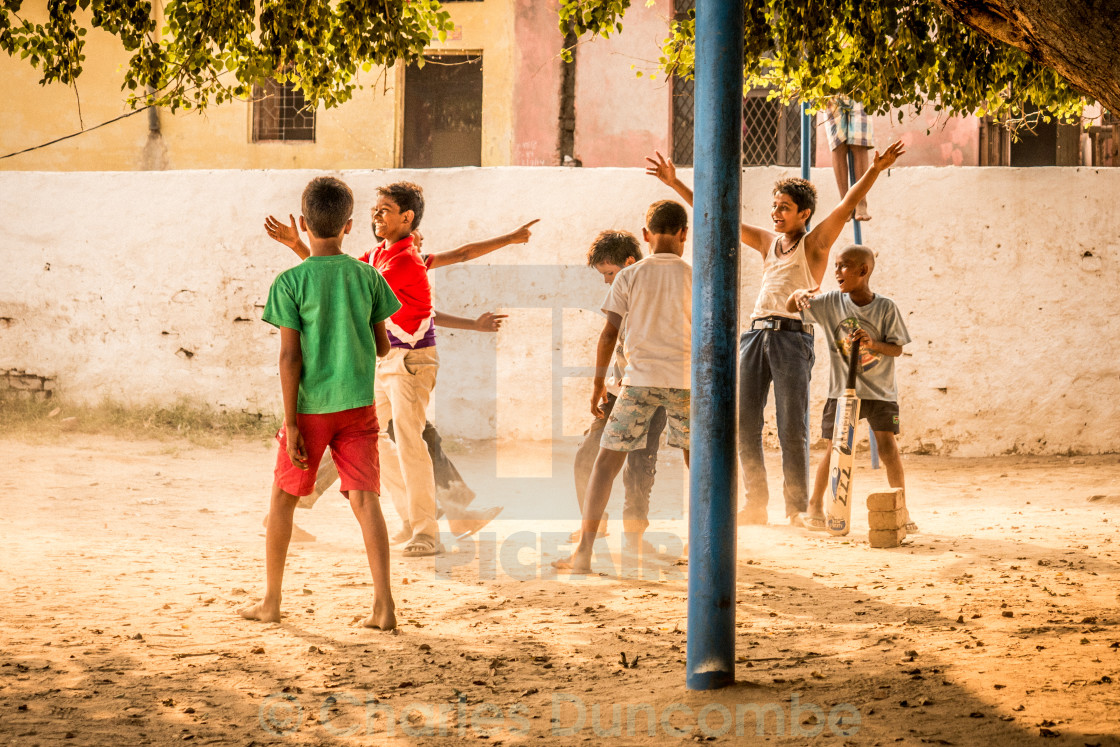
(407, 375)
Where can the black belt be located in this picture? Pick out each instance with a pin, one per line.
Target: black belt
(782, 324)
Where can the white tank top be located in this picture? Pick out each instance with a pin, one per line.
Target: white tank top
(781, 276)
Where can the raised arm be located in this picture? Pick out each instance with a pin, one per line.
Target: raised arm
(824, 234)
(286, 235)
(474, 250)
(663, 168)
(487, 322)
(608, 339)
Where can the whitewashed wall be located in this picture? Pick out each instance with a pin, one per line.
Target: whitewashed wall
(149, 287)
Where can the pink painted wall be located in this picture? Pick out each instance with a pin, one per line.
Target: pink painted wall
(536, 83)
(930, 140)
(620, 118)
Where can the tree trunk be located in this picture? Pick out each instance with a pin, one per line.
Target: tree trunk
(1076, 38)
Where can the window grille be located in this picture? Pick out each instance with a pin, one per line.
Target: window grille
(771, 130)
(280, 113)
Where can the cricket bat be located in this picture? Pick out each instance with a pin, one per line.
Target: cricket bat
(838, 515)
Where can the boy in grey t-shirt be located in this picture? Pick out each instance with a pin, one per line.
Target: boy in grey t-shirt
(844, 315)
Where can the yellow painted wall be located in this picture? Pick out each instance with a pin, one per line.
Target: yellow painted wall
(362, 133)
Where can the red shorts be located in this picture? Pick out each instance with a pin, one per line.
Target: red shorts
(352, 436)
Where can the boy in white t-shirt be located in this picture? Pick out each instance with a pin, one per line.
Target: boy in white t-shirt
(653, 299)
(610, 252)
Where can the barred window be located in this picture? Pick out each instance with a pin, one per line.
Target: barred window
(280, 113)
(771, 130)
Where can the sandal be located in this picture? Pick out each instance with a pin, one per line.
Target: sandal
(573, 538)
(472, 522)
(813, 523)
(422, 546)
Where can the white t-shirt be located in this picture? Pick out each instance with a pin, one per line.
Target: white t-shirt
(618, 365)
(654, 299)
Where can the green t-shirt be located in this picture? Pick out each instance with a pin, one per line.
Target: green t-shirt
(333, 302)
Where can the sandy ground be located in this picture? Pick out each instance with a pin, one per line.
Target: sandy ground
(122, 564)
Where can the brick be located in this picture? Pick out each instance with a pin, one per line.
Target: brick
(886, 500)
(25, 382)
(886, 537)
(886, 519)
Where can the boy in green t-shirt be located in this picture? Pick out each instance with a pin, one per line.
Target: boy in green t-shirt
(331, 312)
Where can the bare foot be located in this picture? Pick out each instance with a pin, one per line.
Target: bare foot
(861, 212)
(573, 565)
(383, 617)
(269, 613)
(298, 534)
(301, 535)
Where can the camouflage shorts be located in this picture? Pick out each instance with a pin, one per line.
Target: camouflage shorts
(629, 421)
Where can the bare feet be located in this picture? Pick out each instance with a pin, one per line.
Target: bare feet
(265, 612)
(383, 617)
(634, 544)
(574, 565)
(301, 535)
(298, 534)
(862, 213)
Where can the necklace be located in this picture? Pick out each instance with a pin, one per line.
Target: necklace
(786, 252)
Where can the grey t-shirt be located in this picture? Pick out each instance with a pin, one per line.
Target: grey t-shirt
(836, 315)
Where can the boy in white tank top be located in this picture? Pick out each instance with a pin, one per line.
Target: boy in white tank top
(778, 348)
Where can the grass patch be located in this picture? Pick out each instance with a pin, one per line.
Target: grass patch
(193, 421)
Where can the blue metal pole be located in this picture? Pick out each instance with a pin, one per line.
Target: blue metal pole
(717, 156)
(806, 137)
(857, 233)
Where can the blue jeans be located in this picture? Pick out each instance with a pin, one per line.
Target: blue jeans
(786, 358)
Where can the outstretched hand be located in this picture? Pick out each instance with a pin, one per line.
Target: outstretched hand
(662, 168)
(887, 159)
(490, 322)
(523, 234)
(286, 235)
(804, 297)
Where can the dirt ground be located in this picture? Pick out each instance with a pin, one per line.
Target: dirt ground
(122, 564)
